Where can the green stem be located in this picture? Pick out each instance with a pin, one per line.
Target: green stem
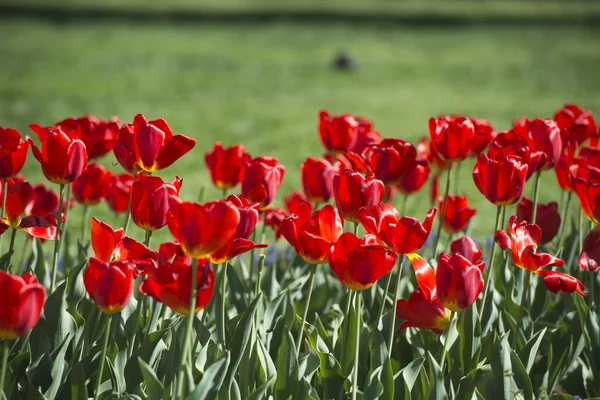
(86, 213)
(439, 229)
(148, 238)
(357, 306)
(402, 208)
(345, 322)
(581, 235)
(4, 364)
(395, 305)
(563, 221)
(102, 358)
(521, 309)
(457, 178)
(536, 192)
(384, 298)
(445, 348)
(311, 281)
(356, 229)
(224, 193)
(57, 238)
(488, 283)
(13, 233)
(223, 298)
(261, 265)
(192, 313)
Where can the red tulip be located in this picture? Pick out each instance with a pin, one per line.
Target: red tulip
(523, 242)
(172, 252)
(513, 144)
(413, 181)
(261, 179)
(359, 263)
(547, 217)
(317, 179)
(422, 313)
(92, 185)
(484, 134)
(273, 219)
(466, 247)
(110, 285)
(293, 201)
(459, 281)
(225, 164)
(426, 151)
(22, 300)
(587, 187)
(13, 152)
(589, 260)
(312, 236)
(150, 201)
(457, 215)
(239, 243)
(170, 285)
(42, 201)
(338, 133)
(203, 229)
(563, 171)
(452, 137)
(149, 146)
(118, 192)
(576, 124)
(62, 158)
(389, 160)
(501, 181)
(365, 135)
(543, 137)
(352, 191)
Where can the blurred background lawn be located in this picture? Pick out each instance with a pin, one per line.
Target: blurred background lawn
(263, 84)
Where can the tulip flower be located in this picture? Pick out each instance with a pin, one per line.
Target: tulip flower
(466, 247)
(452, 137)
(352, 191)
(150, 201)
(172, 252)
(170, 285)
(317, 179)
(547, 217)
(587, 187)
(543, 137)
(389, 160)
(365, 136)
(313, 235)
(422, 313)
(359, 263)
(589, 260)
(149, 146)
(118, 192)
(562, 169)
(484, 135)
(414, 180)
(261, 179)
(338, 133)
(203, 229)
(91, 187)
(293, 202)
(501, 180)
(13, 152)
(577, 125)
(22, 300)
(459, 281)
(457, 213)
(110, 285)
(513, 144)
(225, 165)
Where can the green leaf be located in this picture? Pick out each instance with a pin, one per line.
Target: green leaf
(286, 384)
(529, 352)
(469, 339)
(40, 266)
(501, 383)
(58, 323)
(521, 376)
(437, 389)
(153, 386)
(78, 380)
(58, 368)
(150, 350)
(213, 378)
(474, 379)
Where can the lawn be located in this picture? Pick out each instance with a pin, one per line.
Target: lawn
(263, 85)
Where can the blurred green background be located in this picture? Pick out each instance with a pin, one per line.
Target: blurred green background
(263, 84)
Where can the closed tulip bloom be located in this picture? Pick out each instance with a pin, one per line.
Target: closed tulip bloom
(13, 152)
(484, 134)
(426, 151)
(338, 133)
(422, 313)
(359, 263)
(458, 214)
(170, 285)
(150, 201)
(543, 137)
(466, 247)
(589, 260)
(389, 160)
(110, 285)
(91, 187)
(561, 283)
(352, 191)
(459, 281)
(240, 243)
(587, 187)
(118, 192)
(513, 144)
(365, 135)
(261, 179)
(317, 179)
(172, 252)
(149, 146)
(22, 300)
(547, 217)
(577, 125)
(203, 229)
(293, 201)
(225, 165)
(313, 235)
(501, 181)
(414, 180)
(62, 158)
(563, 171)
(42, 201)
(452, 137)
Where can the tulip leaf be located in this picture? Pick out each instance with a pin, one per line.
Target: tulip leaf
(58, 368)
(474, 379)
(529, 352)
(407, 377)
(78, 386)
(40, 266)
(154, 388)
(521, 376)
(58, 323)
(437, 389)
(469, 339)
(286, 384)
(213, 378)
(502, 381)
(151, 348)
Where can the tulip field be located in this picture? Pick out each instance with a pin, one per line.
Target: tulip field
(349, 257)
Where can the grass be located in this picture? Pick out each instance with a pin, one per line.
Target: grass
(264, 85)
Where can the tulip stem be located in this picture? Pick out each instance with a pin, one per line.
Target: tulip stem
(311, 281)
(11, 246)
(190, 321)
(439, 229)
(223, 296)
(86, 213)
(103, 358)
(349, 294)
(384, 298)
(580, 230)
(57, 237)
(488, 283)
(4, 367)
(356, 229)
(521, 309)
(148, 238)
(395, 306)
(445, 348)
(563, 221)
(357, 306)
(402, 208)
(261, 265)
(536, 192)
